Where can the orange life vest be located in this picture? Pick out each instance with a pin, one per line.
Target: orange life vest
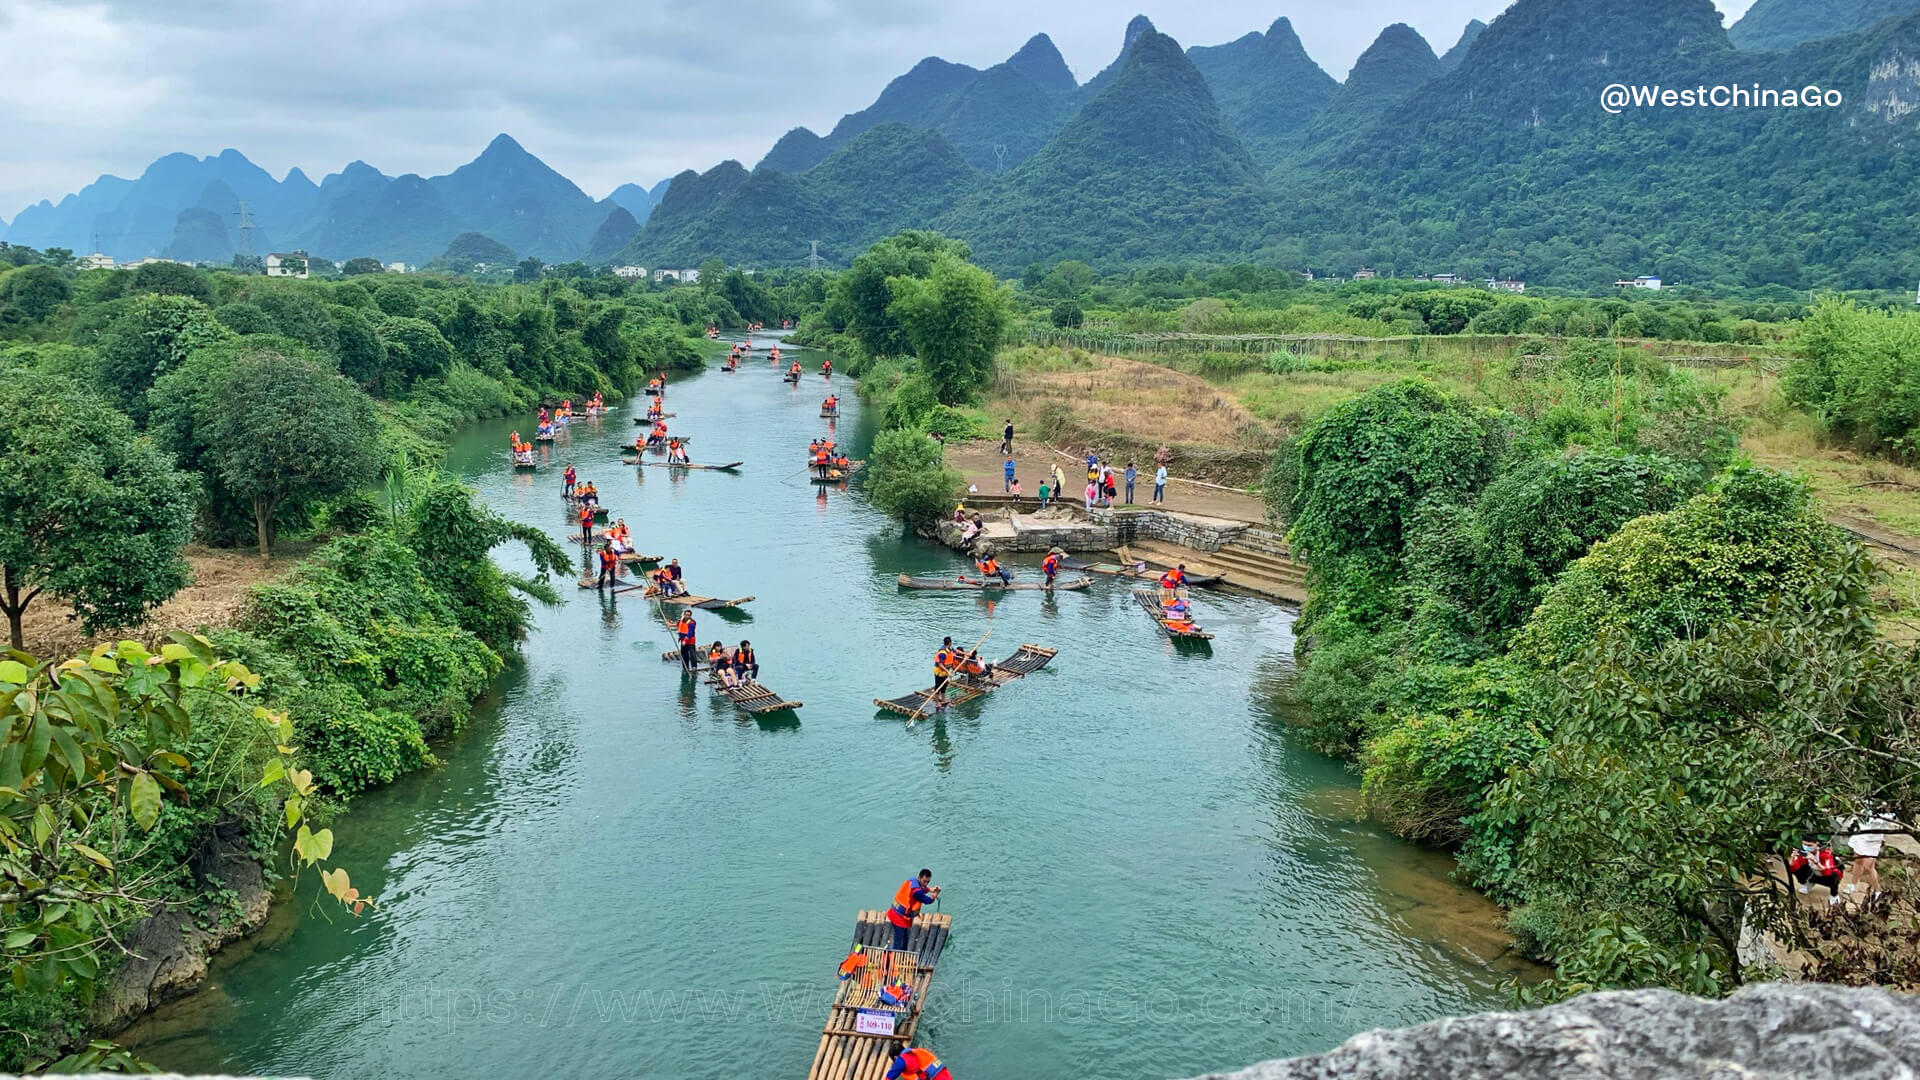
(855, 960)
(918, 1064)
(905, 907)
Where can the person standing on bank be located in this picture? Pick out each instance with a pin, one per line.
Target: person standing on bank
(1160, 484)
(1006, 438)
(1009, 468)
(1131, 475)
(907, 900)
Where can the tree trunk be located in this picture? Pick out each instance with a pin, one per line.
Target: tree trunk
(15, 608)
(262, 513)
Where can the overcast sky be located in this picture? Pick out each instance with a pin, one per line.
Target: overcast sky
(607, 92)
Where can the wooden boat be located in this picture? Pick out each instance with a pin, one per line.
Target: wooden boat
(704, 603)
(650, 419)
(1138, 571)
(732, 466)
(961, 688)
(1149, 600)
(967, 584)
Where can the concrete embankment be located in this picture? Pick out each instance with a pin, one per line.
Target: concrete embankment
(1251, 557)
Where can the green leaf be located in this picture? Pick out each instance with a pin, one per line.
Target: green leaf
(295, 805)
(93, 856)
(43, 821)
(70, 751)
(20, 939)
(144, 800)
(276, 770)
(13, 671)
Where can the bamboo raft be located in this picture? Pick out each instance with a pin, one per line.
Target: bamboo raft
(704, 603)
(961, 688)
(732, 466)
(600, 513)
(1149, 599)
(847, 1053)
(527, 466)
(651, 419)
(751, 697)
(967, 584)
(1137, 571)
(831, 414)
(592, 581)
(834, 474)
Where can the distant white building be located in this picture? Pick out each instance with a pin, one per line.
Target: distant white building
(1364, 274)
(684, 277)
(1509, 285)
(283, 264)
(1445, 279)
(149, 259)
(95, 261)
(631, 273)
(398, 268)
(1645, 281)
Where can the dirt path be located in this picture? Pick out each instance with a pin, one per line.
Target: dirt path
(218, 590)
(981, 463)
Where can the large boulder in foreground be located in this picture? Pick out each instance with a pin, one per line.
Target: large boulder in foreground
(1769, 1030)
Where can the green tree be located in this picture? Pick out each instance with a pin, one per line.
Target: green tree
(32, 294)
(1067, 315)
(282, 427)
(415, 349)
(362, 265)
(909, 476)
(1676, 768)
(88, 510)
(397, 299)
(1070, 279)
(528, 271)
(955, 318)
(1755, 536)
(172, 279)
(859, 300)
(155, 335)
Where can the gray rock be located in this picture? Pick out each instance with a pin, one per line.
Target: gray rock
(1797, 1031)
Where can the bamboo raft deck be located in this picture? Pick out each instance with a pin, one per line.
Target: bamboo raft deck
(650, 419)
(1138, 571)
(752, 697)
(1149, 599)
(704, 603)
(592, 581)
(731, 466)
(967, 584)
(961, 688)
(845, 1052)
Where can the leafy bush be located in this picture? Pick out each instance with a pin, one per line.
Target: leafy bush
(1754, 536)
(908, 476)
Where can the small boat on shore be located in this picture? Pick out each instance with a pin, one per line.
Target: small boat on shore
(732, 466)
(967, 584)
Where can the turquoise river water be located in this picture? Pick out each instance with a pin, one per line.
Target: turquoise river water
(615, 873)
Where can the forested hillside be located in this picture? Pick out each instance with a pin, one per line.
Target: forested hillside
(1496, 159)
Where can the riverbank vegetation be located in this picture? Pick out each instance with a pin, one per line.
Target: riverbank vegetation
(921, 326)
(143, 408)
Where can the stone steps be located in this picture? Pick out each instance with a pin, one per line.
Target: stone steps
(1251, 570)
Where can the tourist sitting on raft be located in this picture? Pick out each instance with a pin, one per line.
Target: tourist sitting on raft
(523, 454)
(990, 567)
(659, 433)
(1179, 618)
(665, 583)
(657, 384)
(832, 404)
(586, 494)
(794, 371)
(654, 410)
(620, 539)
(744, 663)
(826, 366)
(546, 431)
(676, 453)
(722, 665)
(971, 667)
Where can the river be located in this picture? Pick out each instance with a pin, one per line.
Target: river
(614, 872)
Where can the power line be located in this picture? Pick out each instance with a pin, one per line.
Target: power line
(814, 260)
(246, 227)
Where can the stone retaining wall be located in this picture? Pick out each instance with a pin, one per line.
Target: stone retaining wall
(1200, 534)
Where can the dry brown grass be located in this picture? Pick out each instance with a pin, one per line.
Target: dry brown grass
(1110, 393)
(218, 590)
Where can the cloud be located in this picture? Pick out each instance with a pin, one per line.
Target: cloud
(605, 93)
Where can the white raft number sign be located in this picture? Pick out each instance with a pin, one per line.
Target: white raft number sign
(874, 1022)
